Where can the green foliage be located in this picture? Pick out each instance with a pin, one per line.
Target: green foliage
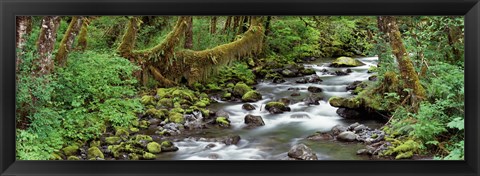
(236, 72)
(291, 38)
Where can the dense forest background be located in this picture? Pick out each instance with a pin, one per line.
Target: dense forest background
(80, 78)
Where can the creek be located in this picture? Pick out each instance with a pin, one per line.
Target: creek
(282, 131)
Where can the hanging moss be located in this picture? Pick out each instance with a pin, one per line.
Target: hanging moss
(168, 66)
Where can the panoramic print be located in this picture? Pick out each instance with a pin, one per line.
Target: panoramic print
(240, 88)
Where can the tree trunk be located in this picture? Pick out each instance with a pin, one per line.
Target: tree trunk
(407, 71)
(23, 28)
(228, 21)
(66, 44)
(454, 34)
(82, 36)
(213, 25)
(46, 44)
(267, 25)
(189, 34)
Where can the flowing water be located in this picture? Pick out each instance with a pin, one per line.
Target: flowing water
(281, 131)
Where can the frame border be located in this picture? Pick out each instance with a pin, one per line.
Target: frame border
(11, 8)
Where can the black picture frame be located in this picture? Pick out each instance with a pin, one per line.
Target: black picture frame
(11, 8)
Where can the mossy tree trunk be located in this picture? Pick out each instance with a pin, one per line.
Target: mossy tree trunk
(189, 35)
(66, 44)
(23, 28)
(455, 34)
(82, 36)
(46, 43)
(168, 66)
(389, 25)
(213, 25)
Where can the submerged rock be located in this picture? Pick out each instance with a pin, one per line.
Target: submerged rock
(320, 136)
(302, 152)
(312, 100)
(309, 79)
(232, 140)
(314, 89)
(346, 62)
(248, 107)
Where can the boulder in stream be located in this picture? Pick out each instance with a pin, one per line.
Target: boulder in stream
(347, 136)
(346, 62)
(251, 96)
(248, 107)
(231, 140)
(253, 121)
(276, 107)
(302, 152)
(314, 89)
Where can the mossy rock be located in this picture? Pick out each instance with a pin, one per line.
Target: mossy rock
(115, 150)
(167, 144)
(372, 69)
(251, 96)
(405, 155)
(149, 156)
(222, 121)
(140, 137)
(346, 62)
(176, 117)
(227, 95)
(143, 124)
(95, 144)
(70, 150)
(55, 156)
(408, 145)
(155, 113)
(230, 85)
(275, 104)
(122, 133)
(177, 110)
(113, 140)
(204, 102)
(308, 71)
(241, 89)
(73, 158)
(94, 152)
(163, 92)
(154, 147)
(345, 102)
(184, 94)
(147, 100)
(134, 130)
(133, 156)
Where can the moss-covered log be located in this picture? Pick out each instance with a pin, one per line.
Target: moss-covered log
(199, 65)
(410, 77)
(168, 66)
(67, 41)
